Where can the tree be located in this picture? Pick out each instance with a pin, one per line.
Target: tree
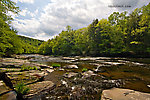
(9, 42)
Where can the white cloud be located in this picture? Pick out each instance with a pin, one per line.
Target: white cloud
(23, 12)
(55, 16)
(28, 26)
(24, 1)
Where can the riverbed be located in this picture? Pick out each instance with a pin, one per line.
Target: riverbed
(86, 77)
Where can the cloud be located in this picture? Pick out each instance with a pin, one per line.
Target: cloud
(23, 12)
(27, 27)
(24, 1)
(48, 21)
(76, 13)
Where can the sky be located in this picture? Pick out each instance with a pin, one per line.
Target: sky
(44, 19)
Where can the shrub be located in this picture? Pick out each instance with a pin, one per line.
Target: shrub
(84, 69)
(56, 65)
(35, 68)
(21, 88)
(26, 68)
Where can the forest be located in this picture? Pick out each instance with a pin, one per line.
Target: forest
(121, 34)
(10, 42)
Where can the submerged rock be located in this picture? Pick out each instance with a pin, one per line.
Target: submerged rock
(124, 94)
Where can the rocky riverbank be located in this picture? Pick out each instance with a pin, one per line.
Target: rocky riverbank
(71, 78)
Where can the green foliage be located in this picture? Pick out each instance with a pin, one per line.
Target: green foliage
(26, 68)
(30, 45)
(84, 69)
(121, 34)
(9, 41)
(21, 88)
(56, 65)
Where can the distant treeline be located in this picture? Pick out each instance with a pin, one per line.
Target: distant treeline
(122, 34)
(30, 45)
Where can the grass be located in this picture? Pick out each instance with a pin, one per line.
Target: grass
(56, 65)
(21, 88)
(26, 68)
(84, 69)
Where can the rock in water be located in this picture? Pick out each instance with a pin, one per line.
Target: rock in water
(124, 94)
(71, 66)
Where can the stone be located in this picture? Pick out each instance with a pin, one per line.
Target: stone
(11, 95)
(64, 83)
(38, 74)
(71, 66)
(6, 80)
(38, 88)
(88, 74)
(68, 58)
(3, 88)
(47, 70)
(113, 63)
(61, 69)
(69, 75)
(42, 65)
(99, 69)
(124, 94)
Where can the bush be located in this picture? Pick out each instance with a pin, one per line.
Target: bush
(26, 68)
(56, 65)
(21, 88)
(84, 69)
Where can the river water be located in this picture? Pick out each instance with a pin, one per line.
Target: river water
(92, 75)
(134, 71)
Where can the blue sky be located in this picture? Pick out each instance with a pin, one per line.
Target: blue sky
(44, 19)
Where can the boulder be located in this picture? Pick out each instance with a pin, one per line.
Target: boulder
(123, 94)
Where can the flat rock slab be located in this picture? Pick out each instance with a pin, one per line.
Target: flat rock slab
(11, 95)
(39, 87)
(124, 94)
(3, 88)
